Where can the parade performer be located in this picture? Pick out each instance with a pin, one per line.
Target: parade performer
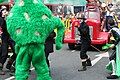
(115, 58)
(29, 23)
(85, 43)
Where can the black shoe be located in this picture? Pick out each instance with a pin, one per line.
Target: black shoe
(84, 66)
(112, 77)
(88, 62)
(83, 69)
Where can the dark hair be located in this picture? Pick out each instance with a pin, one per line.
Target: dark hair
(111, 22)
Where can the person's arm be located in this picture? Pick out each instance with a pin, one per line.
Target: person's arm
(117, 38)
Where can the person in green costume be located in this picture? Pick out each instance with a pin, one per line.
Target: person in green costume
(29, 23)
(114, 64)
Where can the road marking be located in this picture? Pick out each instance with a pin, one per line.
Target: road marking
(99, 57)
(73, 51)
(12, 77)
(95, 60)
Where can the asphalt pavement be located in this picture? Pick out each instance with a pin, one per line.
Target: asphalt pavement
(64, 65)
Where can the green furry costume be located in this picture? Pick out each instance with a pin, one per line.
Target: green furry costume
(1, 1)
(29, 24)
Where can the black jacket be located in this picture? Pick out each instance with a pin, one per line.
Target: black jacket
(5, 33)
(84, 33)
(49, 43)
(116, 34)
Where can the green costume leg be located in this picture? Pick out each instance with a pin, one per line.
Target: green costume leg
(22, 64)
(118, 59)
(39, 62)
(109, 67)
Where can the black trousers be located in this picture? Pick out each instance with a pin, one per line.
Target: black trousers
(47, 61)
(4, 49)
(84, 49)
(12, 45)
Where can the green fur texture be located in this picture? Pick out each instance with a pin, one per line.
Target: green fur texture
(1, 1)
(29, 24)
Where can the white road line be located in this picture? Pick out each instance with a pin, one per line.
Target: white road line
(95, 60)
(99, 57)
(12, 77)
(73, 51)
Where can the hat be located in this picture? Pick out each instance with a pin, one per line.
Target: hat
(82, 16)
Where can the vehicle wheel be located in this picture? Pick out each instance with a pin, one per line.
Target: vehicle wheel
(71, 46)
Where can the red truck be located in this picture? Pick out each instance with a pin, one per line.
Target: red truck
(93, 19)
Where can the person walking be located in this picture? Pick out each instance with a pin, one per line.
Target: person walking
(85, 43)
(115, 59)
(4, 45)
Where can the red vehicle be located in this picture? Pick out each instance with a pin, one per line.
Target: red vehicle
(93, 17)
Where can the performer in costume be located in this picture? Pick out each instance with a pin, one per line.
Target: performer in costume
(115, 59)
(29, 23)
(85, 43)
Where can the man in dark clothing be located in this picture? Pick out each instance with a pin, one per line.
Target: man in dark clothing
(4, 44)
(6, 40)
(49, 46)
(85, 43)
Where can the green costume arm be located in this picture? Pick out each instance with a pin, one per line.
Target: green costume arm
(60, 33)
(17, 48)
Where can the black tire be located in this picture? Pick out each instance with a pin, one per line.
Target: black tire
(71, 46)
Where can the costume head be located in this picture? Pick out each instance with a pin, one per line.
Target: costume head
(31, 21)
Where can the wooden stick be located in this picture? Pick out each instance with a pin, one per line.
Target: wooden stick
(95, 48)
